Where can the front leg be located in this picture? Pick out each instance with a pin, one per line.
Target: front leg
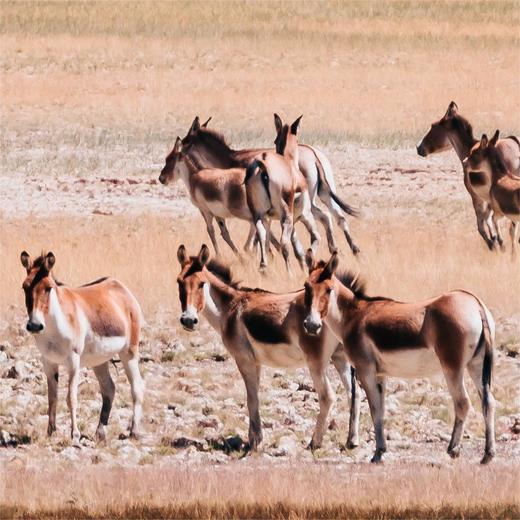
(250, 371)
(51, 371)
(72, 395)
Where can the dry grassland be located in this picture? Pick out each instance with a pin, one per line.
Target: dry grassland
(92, 95)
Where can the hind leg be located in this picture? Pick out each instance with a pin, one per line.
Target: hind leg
(131, 365)
(108, 390)
(299, 253)
(461, 404)
(326, 220)
(208, 218)
(224, 231)
(307, 218)
(475, 369)
(513, 231)
(343, 224)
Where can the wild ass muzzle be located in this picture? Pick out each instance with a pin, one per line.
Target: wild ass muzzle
(85, 326)
(259, 328)
(487, 160)
(455, 131)
(385, 338)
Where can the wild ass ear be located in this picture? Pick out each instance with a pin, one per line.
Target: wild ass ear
(483, 141)
(178, 145)
(296, 125)
(195, 126)
(452, 109)
(494, 139)
(49, 262)
(309, 260)
(25, 258)
(330, 267)
(204, 125)
(204, 255)
(278, 124)
(182, 255)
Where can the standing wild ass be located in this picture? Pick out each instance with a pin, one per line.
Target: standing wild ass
(454, 131)
(85, 326)
(262, 328)
(206, 148)
(383, 337)
(486, 161)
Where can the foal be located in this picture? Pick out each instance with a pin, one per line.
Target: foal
(262, 328)
(383, 337)
(486, 161)
(454, 131)
(86, 326)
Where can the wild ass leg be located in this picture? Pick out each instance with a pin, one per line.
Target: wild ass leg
(475, 368)
(299, 253)
(208, 218)
(484, 216)
(51, 371)
(261, 233)
(348, 378)
(310, 223)
(226, 236)
(461, 404)
(343, 224)
(375, 392)
(287, 227)
(131, 366)
(250, 372)
(250, 238)
(496, 225)
(326, 220)
(326, 397)
(108, 389)
(513, 230)
(72, 396)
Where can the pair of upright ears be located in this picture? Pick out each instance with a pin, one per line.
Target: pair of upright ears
(202, 258)
(48, 261)
(328, 269)
(278, 123)
(485, 142)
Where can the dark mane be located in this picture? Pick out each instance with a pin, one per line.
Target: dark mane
(224, 273)
(496, 160)
(354, 283)
(95, 282)
(464, 128)
(212, 138)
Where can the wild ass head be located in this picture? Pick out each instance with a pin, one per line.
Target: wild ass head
(286, 141)
(318, 289)
(437, 138)
(484, 156)
(191, 282)
(37, 287)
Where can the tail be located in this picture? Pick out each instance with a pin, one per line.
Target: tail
(323, 185)
(486, 341)
(264, 176)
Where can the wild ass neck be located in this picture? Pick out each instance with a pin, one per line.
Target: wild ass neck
(462, 141)
(217, 295)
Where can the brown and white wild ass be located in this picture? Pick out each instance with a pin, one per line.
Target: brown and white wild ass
(85, 326)
(259, 328)
(383, 337)
(454, 131)
(206, 148)
(487, 162)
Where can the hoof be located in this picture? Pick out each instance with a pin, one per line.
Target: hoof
(51, 430)
(376, 459)
(135, 435)
(355, 250)
(454, 453)
(101, 435)
(76, 443)
(312, 446)
(351, 445)
(487, 458)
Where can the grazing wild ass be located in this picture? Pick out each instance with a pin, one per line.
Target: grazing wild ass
(85, 326)
(454, 131)
(259, 328)
(383, 337)
(486, 161)
(206, 148)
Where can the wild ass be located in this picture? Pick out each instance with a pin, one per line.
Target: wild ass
(486, 161)
(276, 188)
(85, 326)
(454, 131)
(259, 328)
(383, 337)
(206, 148)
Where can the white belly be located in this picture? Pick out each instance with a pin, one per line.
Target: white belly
(421, 362)
(99, 350)
(278, 355)
(218, 209)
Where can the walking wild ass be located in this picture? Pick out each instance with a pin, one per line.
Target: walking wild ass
(86, 326)
(206, 148)
(262, 328)
(383, 337)
(454, 131)
(486, 161)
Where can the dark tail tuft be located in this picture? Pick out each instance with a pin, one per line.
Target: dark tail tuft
(250, 170)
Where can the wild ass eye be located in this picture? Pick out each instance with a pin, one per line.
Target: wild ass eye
(48, 289)
(201, 285)
(329, 290)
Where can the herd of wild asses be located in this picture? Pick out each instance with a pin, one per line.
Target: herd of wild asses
(330, 318)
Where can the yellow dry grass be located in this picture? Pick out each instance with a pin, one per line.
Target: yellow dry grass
(259, 491)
